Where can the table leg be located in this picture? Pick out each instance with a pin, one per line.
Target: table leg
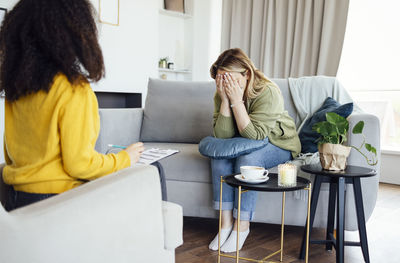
(220, 221)
(331, 214)
(238, 223)
(308, 221)
(361, 218)
(314, 202)
(282, 222)
(340, 221)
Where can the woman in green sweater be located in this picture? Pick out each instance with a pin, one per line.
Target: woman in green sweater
(249, 105)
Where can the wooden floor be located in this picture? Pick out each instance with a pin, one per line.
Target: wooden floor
(383, 229)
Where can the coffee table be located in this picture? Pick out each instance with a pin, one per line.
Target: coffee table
(269, 186)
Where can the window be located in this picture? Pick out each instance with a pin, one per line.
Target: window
(370, 63)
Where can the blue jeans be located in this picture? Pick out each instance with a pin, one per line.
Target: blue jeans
(17, 199)
(267, 157)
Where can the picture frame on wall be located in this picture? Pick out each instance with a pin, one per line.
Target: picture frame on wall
(175, 5)
(109, 12)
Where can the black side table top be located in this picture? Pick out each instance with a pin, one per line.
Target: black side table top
(271, 185)
(350, 171)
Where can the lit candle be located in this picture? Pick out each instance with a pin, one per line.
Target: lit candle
(287, 174)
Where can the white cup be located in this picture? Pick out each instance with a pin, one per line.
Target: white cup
(252, 172)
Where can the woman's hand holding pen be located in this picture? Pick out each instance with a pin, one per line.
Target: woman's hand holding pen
(134, 151)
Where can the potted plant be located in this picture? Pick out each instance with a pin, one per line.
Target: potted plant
(333, 131)
(163, 62)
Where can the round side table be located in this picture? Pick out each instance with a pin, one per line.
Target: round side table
(337, 181)
(269, 186)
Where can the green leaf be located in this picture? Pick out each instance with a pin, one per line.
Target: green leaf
(373, 149)
(317, 126)
(334, 118)
(358, 128)
(368, 147)
(343, 127)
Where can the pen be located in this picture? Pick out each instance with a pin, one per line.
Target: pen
(117, 146)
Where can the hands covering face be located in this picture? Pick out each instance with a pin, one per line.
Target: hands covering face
(229, 88)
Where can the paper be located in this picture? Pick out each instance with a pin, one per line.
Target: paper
(152, 155)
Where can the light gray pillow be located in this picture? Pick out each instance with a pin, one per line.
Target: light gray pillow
(178, 111)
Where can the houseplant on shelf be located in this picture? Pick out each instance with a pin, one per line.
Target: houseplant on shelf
(333, 131)
(163, 62)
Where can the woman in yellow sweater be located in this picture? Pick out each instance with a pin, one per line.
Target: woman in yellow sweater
(49, 54)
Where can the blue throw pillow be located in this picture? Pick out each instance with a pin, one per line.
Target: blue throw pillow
(229, 148)
(307, 136)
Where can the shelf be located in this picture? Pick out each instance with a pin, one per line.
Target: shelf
(174, 13)
(184, 71)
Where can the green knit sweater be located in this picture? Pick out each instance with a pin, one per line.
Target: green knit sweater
(268, 118)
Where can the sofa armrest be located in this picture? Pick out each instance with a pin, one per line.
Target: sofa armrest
(173, 225)
(372, 135)
(369, 185)
(119, 126)
(119, 215)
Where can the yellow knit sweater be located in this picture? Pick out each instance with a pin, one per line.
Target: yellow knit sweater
(50, 137)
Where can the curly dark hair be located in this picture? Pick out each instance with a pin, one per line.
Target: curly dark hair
(41, 38)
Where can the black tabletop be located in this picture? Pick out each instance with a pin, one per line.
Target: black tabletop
(350, 171)
(269, 186)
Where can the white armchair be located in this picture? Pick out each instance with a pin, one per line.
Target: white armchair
(117, 218)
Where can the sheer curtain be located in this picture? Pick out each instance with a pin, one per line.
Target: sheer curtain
(370, 64)
(287, 38)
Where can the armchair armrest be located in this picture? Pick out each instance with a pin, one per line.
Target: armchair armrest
(369, 185)
(119, 126)
(117, 218)
(173, 225)
(372, 135)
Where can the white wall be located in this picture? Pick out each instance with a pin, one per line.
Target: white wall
(389, 170)
(8, 3)
(130, 49)
(206, 36)
(172, 40)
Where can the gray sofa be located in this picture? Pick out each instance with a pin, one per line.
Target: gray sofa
(178, 115)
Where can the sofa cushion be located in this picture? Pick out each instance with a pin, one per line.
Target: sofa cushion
(188, 165)
(218, 148)
(178, 111)
(283, 85)
(307, 136)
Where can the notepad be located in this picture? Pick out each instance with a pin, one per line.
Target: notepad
(152, 155)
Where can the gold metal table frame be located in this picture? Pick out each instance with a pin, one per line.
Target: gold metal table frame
(264, 260)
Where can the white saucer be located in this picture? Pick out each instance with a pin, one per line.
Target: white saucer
(252, 181)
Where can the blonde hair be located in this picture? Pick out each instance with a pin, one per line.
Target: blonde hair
(235, 60)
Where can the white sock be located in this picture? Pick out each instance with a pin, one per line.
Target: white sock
(230, 243)
(224, 236)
